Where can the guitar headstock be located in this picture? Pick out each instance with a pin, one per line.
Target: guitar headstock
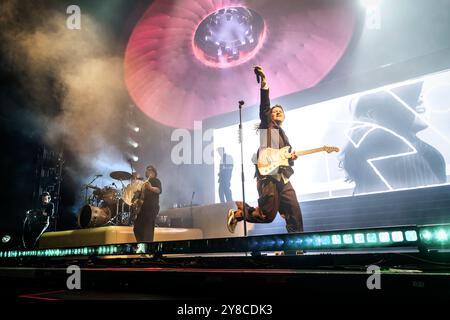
(330, 149)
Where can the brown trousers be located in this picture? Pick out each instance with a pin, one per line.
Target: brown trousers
(275, 196)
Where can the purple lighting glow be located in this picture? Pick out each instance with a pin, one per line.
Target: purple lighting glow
(190, 60)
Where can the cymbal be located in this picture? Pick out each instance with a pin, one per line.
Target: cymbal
(120, 175)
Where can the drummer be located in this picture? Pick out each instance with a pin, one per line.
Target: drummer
(135, 176)
(132, 190)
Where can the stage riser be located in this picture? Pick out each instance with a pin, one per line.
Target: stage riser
(110, 235)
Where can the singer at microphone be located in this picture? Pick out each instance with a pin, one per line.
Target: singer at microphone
(276, 193)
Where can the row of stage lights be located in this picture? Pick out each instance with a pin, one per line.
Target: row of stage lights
(133, 130)
(433, 237)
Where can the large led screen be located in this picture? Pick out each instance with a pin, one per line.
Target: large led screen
(390, 138)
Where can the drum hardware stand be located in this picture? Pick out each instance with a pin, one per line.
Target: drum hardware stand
(115, 220)
(86, 187)
(192, 199)
(118, 218)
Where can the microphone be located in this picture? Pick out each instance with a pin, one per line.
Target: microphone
(258, 77)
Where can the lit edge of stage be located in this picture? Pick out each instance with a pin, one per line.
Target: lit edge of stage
(422, 238)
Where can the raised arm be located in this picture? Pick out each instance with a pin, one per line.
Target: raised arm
(264, 108)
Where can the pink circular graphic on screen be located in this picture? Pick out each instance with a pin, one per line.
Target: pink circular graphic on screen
(190, 60)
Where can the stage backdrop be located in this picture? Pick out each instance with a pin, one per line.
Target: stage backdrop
(391, 138)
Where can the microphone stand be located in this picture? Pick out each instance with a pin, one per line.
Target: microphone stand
(192, 199)
(241, 141)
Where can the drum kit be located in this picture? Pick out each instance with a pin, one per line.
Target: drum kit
(110, 205)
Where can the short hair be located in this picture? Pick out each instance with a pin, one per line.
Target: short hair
(45, 194)
(152, 168)
(277, 106)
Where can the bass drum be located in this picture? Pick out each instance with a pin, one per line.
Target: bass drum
(91, 217)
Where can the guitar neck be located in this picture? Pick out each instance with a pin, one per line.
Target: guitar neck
(309, 151)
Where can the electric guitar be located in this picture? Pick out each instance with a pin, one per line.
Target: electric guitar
(269, 160)
(137, 203)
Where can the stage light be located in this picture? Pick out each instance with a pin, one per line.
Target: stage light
(372, 238)
(384, 237)
(6, 238)
(133, 143)
(426, 235)
(133, 127)
(435, 236)
(359, 238)
(431, 237)
(325, 240)
(336, 239)
(411, 235)
(441, 235)
(397, 236)
(348, 239)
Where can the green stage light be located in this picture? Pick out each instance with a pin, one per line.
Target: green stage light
(384, 237)
(348, 239)
(402, 236)
(372, 237)
(325, 240)
(441, 235)
(426, 235)
(411, 235)
(336, 239)
(435, 236)
(359, 238)
(397, 236)
(316, 241)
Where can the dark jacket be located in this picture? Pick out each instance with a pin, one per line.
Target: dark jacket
(271, 134)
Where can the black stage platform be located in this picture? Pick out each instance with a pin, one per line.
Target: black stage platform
(386, 263)
(330, 276)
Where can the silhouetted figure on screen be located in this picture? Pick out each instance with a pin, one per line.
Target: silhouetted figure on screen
(225, 172)
(384, 152)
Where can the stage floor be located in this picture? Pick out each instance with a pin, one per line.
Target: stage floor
(330, 276)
